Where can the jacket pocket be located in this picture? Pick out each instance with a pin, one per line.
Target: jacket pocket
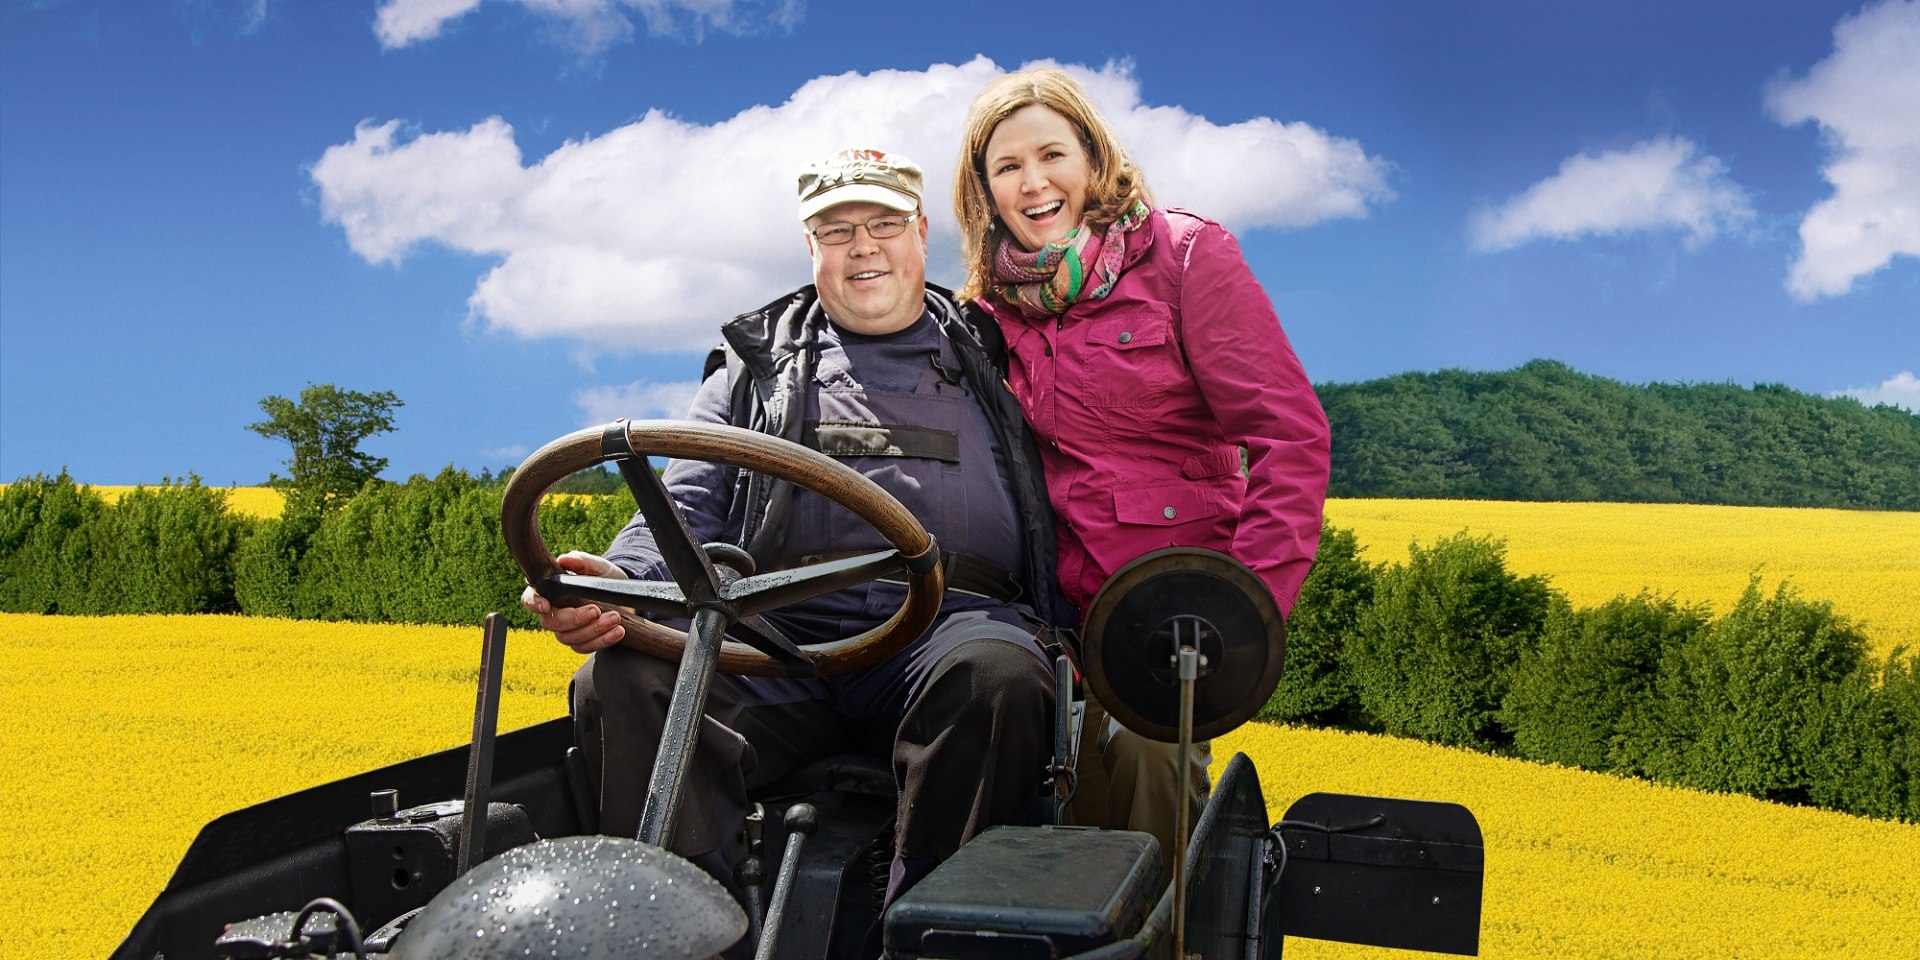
(1130, 358)
(1164, 505)
(1220, 463)
(1151, 517)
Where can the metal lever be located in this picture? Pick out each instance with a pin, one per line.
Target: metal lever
(699, 663)
(1061, 769)
(751, 872)
(486, 718)
(1189, 669)
(801, 820)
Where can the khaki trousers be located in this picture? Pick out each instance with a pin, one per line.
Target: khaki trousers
(1129, 782)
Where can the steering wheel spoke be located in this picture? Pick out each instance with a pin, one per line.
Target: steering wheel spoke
(659, 598)
(686, 558)
(757, 633)
(770, 591)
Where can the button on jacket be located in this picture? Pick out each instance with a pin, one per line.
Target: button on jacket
(1142, 399)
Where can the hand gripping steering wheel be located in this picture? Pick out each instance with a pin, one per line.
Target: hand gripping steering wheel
(756, 647)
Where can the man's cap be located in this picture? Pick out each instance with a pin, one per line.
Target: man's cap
(860, 176)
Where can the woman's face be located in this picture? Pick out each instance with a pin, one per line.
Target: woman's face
(1038, 173)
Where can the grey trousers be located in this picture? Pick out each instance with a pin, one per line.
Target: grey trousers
(963, 716)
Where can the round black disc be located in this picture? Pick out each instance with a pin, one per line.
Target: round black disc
(1147, 609)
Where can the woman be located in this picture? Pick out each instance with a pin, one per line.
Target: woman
(1145, 356)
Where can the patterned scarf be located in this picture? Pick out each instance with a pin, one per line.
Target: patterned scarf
(1078, 266)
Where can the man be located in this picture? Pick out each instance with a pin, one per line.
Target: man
(874, 366)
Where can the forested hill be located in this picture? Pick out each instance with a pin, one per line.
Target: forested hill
(1544, 431)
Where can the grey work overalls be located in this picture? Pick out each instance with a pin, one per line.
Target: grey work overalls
(963, 714)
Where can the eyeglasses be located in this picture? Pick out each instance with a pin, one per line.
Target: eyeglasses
(879, 228)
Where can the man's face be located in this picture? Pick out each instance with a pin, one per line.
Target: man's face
(870, 286)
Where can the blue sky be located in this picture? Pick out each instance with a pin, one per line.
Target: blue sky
(527, 217)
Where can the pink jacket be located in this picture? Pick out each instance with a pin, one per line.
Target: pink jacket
(1140, 400)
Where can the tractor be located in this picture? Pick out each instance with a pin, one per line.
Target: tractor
(492, 851)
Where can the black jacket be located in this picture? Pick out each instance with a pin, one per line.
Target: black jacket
(770, 354)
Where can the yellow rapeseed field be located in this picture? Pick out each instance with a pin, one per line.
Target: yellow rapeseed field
(250, 501)
(254, 501)
(1867, 562)
(1584, 866)
(124, 734)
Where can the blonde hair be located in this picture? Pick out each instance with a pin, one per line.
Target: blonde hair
(1112, 189)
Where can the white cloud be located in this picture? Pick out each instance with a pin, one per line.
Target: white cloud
(1900, 390)
(635, 401)
(1256, 173)
(647, 236)
(592, 25)
(253, 15)
(208, 17)
(1866, 99)
(399, 23)
(1653, 185)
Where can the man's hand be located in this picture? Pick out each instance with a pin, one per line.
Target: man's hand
(585, 628)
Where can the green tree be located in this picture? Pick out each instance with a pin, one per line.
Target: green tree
(1584, 696)
(1338, 589)
(1433, 655)
(1544, 431)
(325, 428)
(46, 525)
(1738, 699)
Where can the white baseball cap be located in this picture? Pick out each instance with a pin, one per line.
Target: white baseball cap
(858, 175)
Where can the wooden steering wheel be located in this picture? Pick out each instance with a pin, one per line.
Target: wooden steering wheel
(755, 646)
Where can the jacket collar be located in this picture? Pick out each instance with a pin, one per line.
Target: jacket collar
(764, 337)
(1144, 238)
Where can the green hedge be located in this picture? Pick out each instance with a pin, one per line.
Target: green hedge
(1738, 699)
(1432, 656)
(1774, 698)
(1858, 745)
(426, 551)
(45, 533)
(165, 549)
(266, 568)
(1587, 695)
(1338, 588)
